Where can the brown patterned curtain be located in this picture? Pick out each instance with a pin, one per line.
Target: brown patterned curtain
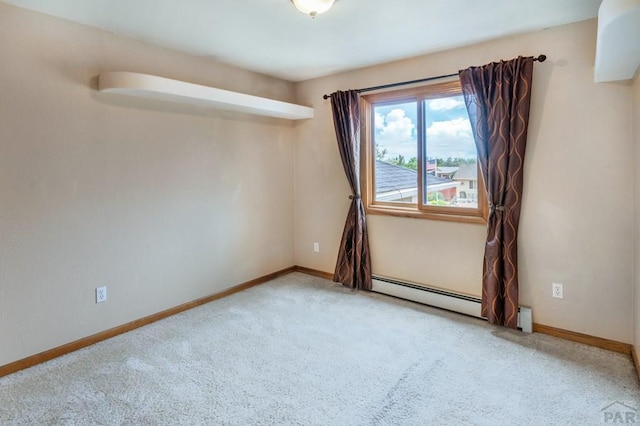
(497, 96)
(353, 268)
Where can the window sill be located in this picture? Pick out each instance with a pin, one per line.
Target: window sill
(418, 214)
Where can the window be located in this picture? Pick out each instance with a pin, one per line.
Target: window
(419, 155)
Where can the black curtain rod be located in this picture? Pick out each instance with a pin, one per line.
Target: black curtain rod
(539, 58)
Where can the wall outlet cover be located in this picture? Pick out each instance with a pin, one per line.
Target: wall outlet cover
(101, 294)
(557, 290)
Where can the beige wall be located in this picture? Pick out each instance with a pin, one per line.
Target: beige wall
(636, 135)
(165, 204)
(577, 210)
(160, 204)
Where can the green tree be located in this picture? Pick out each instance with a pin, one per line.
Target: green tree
(454, 162)
(412, 163)
(436, 199)
(400, 161)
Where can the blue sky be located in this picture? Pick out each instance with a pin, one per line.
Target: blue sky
(448, 129)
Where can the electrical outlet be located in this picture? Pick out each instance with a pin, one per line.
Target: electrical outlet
(101, 294)
(557, 290)
(316, 247)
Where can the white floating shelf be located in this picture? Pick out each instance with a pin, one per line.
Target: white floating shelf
(166, 89)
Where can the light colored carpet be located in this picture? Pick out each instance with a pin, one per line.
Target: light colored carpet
(302, 350)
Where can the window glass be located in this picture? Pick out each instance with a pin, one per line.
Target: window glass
(451, 171)
(396, 152)
(420, 158)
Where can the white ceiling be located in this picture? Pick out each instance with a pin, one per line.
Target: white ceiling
(272, 37)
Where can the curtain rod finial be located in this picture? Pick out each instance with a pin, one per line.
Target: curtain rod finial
(541, 58)
(326, 97)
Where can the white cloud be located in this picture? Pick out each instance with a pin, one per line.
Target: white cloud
(395, 132)
(458, 127)
(395, 126)
(445, 104)
(452, 138)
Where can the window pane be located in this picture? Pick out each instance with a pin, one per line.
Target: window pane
(451, 174)
(396, 163)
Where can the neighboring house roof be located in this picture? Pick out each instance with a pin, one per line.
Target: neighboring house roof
(391, 178)
(447, 170)
(467, 172)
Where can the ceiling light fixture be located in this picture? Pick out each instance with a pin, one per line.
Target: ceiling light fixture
(313, 7)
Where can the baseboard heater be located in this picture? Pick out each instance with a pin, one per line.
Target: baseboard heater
(444, 299)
